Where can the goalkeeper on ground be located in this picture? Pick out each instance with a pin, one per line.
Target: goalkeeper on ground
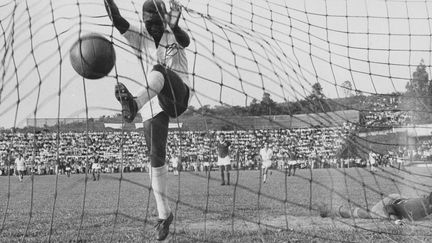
(393, 207)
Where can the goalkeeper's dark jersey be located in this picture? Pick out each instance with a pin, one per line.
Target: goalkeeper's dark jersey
(412, 208)
(222, 148)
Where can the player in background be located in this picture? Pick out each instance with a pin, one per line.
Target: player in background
(372, 161)
(392, 207)
(20, 166)
(224, 159)
(167, 90)
(95, 168)
(400, 160)
(266, 154)
(175, 161)
(207, 166)
(291, 163)
(68, 167)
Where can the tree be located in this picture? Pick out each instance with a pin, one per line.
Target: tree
(317, 91)
(419, 84)
(254, 107)
(316, 100)
(346, 88)
(203, 110)
(419, 90)
(267, 105)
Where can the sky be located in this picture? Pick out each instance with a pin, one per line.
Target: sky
(239, 50)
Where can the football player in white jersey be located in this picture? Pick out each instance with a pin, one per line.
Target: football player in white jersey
(20, 166)
(167, 90)
(266, 154)
(175, 161)
(224, 159)
(96, 168)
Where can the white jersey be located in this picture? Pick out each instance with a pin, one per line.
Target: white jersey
(20, 164)
(175, 161)
(372, 158)
(224, 161)
(96, 166)
(266, 156)
(169, 53)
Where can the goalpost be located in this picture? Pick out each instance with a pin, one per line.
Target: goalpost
(309, 55)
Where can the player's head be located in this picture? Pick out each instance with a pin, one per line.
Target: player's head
(391, 210)
(154, 13)
(221, 137)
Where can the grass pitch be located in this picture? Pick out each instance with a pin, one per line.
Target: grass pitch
(120, 207)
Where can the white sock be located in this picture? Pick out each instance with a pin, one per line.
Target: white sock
(158, 177)
(155, 82)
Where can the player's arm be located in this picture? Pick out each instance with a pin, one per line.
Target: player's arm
(121, 24)
(173, 18)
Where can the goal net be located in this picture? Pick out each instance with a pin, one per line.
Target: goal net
(340, 91)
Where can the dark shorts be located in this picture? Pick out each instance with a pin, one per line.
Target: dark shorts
(174, 96)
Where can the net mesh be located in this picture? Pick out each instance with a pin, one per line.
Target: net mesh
(277, 71)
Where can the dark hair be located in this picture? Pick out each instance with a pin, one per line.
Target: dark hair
(154, 6)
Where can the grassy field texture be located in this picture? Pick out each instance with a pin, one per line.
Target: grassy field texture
(120, 208)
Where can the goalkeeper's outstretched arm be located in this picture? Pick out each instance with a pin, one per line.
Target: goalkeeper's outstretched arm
(173, 18)
(121, 24)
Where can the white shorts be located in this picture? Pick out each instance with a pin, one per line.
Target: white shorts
(21, 168)
(266, 163)
(292, 162)
(224, 161)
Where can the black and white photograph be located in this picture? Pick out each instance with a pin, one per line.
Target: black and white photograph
(215, 121)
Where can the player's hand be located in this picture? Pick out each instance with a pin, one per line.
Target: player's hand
(174, 14)
(399, 222)
(109, 6)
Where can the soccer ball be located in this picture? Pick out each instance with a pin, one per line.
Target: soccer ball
(92, 56)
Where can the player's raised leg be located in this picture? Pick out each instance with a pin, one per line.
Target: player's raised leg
(130, 104)
(127, 101)
(172, 94)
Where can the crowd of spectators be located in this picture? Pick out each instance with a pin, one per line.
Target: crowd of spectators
(50, 153)
(386, 118)
(384, 111)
